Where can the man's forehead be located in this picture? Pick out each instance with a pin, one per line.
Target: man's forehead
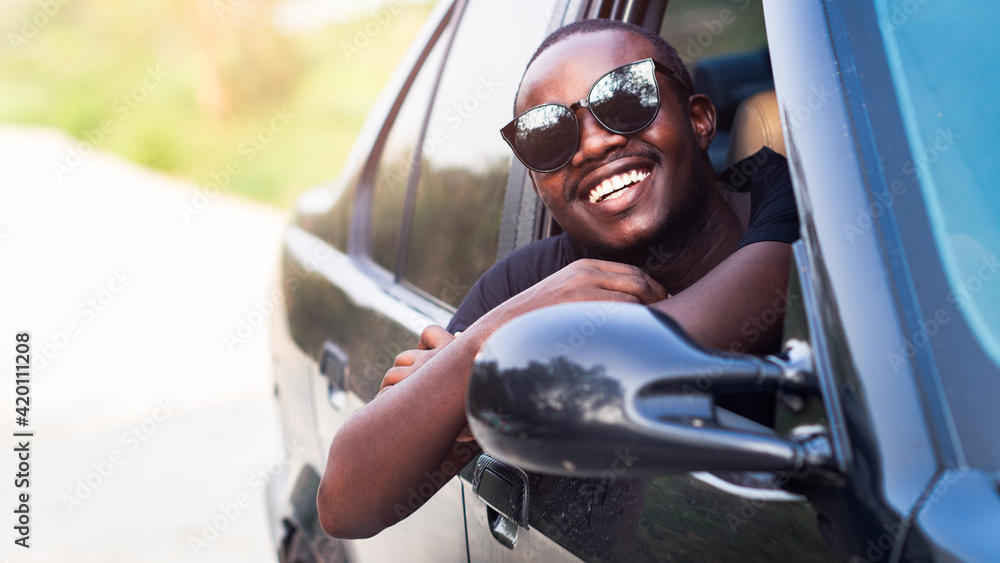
(575, 63)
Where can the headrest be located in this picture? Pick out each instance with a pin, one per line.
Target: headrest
(755, 125)
(729, 79)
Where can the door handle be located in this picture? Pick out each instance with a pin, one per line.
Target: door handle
(334, 366)
(504, 489)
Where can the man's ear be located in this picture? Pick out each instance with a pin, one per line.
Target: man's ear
(702, 115)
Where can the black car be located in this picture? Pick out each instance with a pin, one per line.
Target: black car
(881, 444)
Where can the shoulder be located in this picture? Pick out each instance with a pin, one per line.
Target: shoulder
(759, 170)
(773, 213)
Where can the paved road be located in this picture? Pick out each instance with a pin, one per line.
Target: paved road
(147, 426)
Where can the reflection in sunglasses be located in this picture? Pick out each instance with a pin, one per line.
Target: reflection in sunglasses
(636, 80)
(540, 119)
(624, 101)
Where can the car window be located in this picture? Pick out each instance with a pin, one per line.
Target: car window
(937, 115)
(724, 46)
(397, 162)
(708, 28)
(951, 125)
(463, 174)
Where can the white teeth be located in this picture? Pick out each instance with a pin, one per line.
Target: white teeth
(612, 187)
(614, 195)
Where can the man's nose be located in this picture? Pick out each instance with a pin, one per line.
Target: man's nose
(595, 140)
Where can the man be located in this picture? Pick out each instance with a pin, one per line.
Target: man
(617, 146)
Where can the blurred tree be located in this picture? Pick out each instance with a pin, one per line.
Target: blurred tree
(210, 86)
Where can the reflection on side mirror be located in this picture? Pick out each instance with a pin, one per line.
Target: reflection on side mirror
(571, 389)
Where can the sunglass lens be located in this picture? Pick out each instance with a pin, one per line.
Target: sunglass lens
(546, 137)
(626, 99)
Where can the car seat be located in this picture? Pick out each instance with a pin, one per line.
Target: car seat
(755, 125)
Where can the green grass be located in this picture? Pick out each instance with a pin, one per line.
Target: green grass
(74, 72)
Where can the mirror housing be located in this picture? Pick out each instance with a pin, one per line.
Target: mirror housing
(581, 388)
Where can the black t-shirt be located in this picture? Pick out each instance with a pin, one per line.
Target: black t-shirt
(773, 217)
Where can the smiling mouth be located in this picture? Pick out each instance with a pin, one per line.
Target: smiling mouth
(615, 186)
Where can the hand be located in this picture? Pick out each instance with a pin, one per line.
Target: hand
(592, 280)
(432, 340)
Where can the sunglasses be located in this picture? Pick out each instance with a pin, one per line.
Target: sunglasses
(624, 101)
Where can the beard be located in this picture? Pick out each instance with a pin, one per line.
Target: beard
(675, 232)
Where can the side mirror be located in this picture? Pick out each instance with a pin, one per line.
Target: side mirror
(573, 389)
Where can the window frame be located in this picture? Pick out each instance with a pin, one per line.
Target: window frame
(446, 18)
(360, 247)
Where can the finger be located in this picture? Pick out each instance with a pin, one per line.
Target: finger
(635, 283)
(434, 336)
(405, 358)
(394, 376)
(659, 292)
(648, 289)
(608, 295)
(607, 266)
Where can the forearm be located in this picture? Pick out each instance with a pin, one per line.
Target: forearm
(740, 305)
(390, 446)
(402, 441)
(386, 447)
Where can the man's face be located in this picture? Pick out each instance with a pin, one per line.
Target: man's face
(667, 153)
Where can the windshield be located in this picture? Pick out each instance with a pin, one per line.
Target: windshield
(941, 56)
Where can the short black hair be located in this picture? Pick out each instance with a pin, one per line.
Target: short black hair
(663, 52)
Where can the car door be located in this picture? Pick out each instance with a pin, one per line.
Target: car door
(687, 517)
(348, 315)
(413, 224)
(473, 201)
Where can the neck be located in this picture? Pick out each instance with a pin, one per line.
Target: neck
(716, 242)
(712, 239)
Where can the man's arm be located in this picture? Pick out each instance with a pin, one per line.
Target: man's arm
(406, 436)
(730, 307)
(408, 432)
